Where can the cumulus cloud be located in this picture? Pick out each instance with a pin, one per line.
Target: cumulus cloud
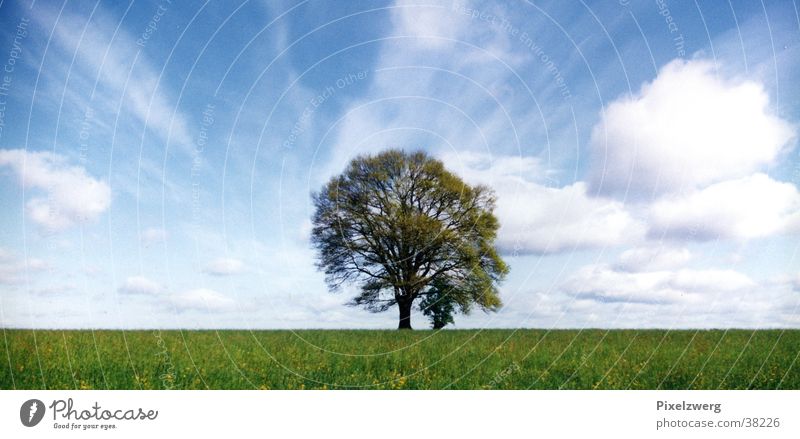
(540, 219)
(692, 149)
(685, 129)
(202, 299)
(690, 144)
(601, 295)
(70, 195)
(140, 285)
(224, 267)
(537, 218)
(750, 207)
(605, 284)
(772, 307)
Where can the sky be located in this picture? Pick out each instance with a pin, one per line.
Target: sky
(157, 158)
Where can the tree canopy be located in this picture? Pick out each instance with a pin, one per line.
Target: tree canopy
(402, 227)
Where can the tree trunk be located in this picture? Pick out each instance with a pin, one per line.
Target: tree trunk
(405, 314)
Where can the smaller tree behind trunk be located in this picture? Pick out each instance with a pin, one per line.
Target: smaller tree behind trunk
(438, 305)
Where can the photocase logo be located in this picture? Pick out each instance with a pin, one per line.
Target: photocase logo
(31, 412)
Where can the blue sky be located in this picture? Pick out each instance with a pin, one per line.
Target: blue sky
(156, 158)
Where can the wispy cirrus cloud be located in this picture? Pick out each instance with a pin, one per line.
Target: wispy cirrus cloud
(460, 98)
(112, 72)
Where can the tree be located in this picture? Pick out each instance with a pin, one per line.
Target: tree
(438, 305)
(402, 227)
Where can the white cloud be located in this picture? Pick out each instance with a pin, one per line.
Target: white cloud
(432, 25)
(202, 299)
(652, 258)
(12, 270)
(750, 207)
(600, 295)
(197, 299)
(140, 285)
(605, 284)
(690, 139)
(535, 218)
(685, 129)
(539, 219)
(487, 168)
(224, 267)
(71, 196)
(704, 281)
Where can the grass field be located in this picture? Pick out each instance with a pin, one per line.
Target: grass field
(452, 359)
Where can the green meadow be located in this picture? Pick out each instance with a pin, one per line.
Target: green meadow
(370, 359)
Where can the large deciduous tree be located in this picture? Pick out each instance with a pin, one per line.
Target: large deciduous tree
(402, 227)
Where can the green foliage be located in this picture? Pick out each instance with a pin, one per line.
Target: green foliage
(396, 223)
(450, 359)
(439, 305)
